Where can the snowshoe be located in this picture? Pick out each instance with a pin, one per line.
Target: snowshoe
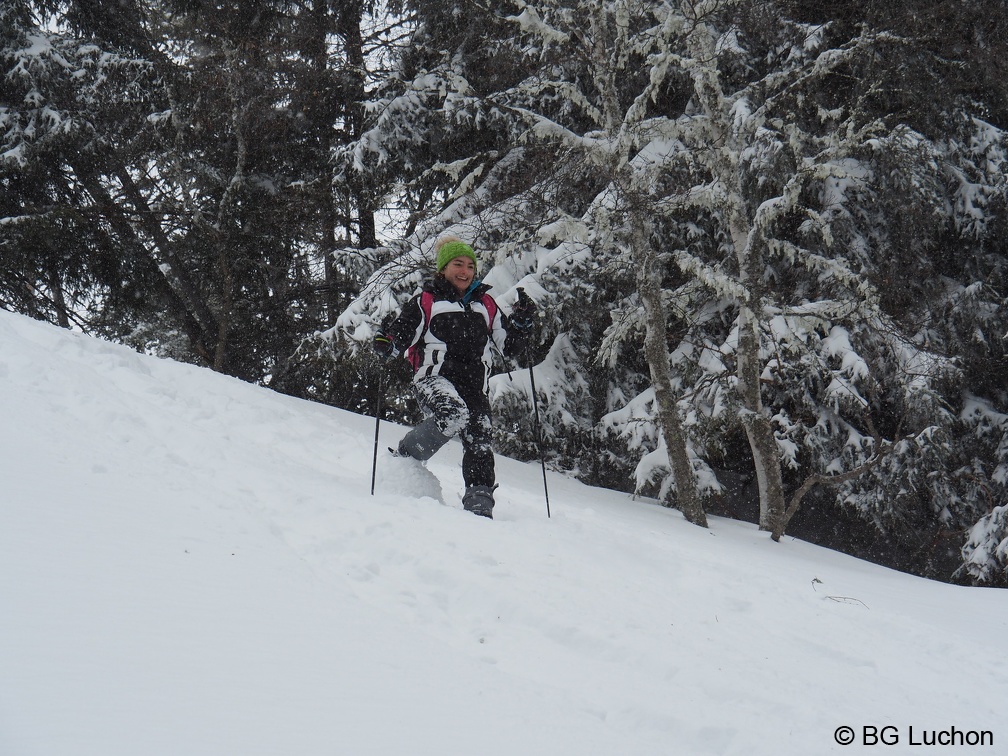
(479, 500)
(422, 442)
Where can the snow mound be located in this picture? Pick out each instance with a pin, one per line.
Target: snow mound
(406, 476)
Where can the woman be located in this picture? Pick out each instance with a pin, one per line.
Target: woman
(450, 330)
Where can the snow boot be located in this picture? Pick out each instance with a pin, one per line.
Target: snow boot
(479, 500)
(421, 442)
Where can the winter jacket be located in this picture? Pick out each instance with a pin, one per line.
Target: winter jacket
(458, 341)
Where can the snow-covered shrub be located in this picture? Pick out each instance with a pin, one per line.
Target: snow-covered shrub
(985, 555)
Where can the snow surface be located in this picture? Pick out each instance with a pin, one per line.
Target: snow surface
(191, 565)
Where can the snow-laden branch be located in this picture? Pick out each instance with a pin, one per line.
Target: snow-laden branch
(711, 277)
(599, 145)
(530, 22)
(536, 87)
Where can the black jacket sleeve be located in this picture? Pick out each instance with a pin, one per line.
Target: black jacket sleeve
(406, 329)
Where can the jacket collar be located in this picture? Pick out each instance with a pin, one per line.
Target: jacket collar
(440, 286)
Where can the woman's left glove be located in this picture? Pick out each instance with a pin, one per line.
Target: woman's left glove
(523, 314)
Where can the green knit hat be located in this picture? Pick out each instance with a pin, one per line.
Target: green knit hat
(451, 248)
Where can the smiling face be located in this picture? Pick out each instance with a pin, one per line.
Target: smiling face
(460, 273)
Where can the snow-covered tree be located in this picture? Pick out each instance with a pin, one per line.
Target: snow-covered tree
(55, 257)
(985, 555)
(173, 164)
(761, 166)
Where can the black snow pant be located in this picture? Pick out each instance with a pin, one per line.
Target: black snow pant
(465, 414)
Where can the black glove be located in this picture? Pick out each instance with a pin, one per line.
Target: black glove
(523, 314)
(384, 346)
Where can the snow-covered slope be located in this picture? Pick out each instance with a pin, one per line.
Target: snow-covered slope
(192, 566)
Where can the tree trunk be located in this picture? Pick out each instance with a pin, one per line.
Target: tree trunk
(361, 195)
(657, 353)
(228, 214)
(59, 301)
(758, 425)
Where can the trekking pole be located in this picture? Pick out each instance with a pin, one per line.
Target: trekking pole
(377, 423)
(535, 408)
(539, 434)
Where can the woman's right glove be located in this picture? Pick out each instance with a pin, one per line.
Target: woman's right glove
(383, 346)
(523, 314)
